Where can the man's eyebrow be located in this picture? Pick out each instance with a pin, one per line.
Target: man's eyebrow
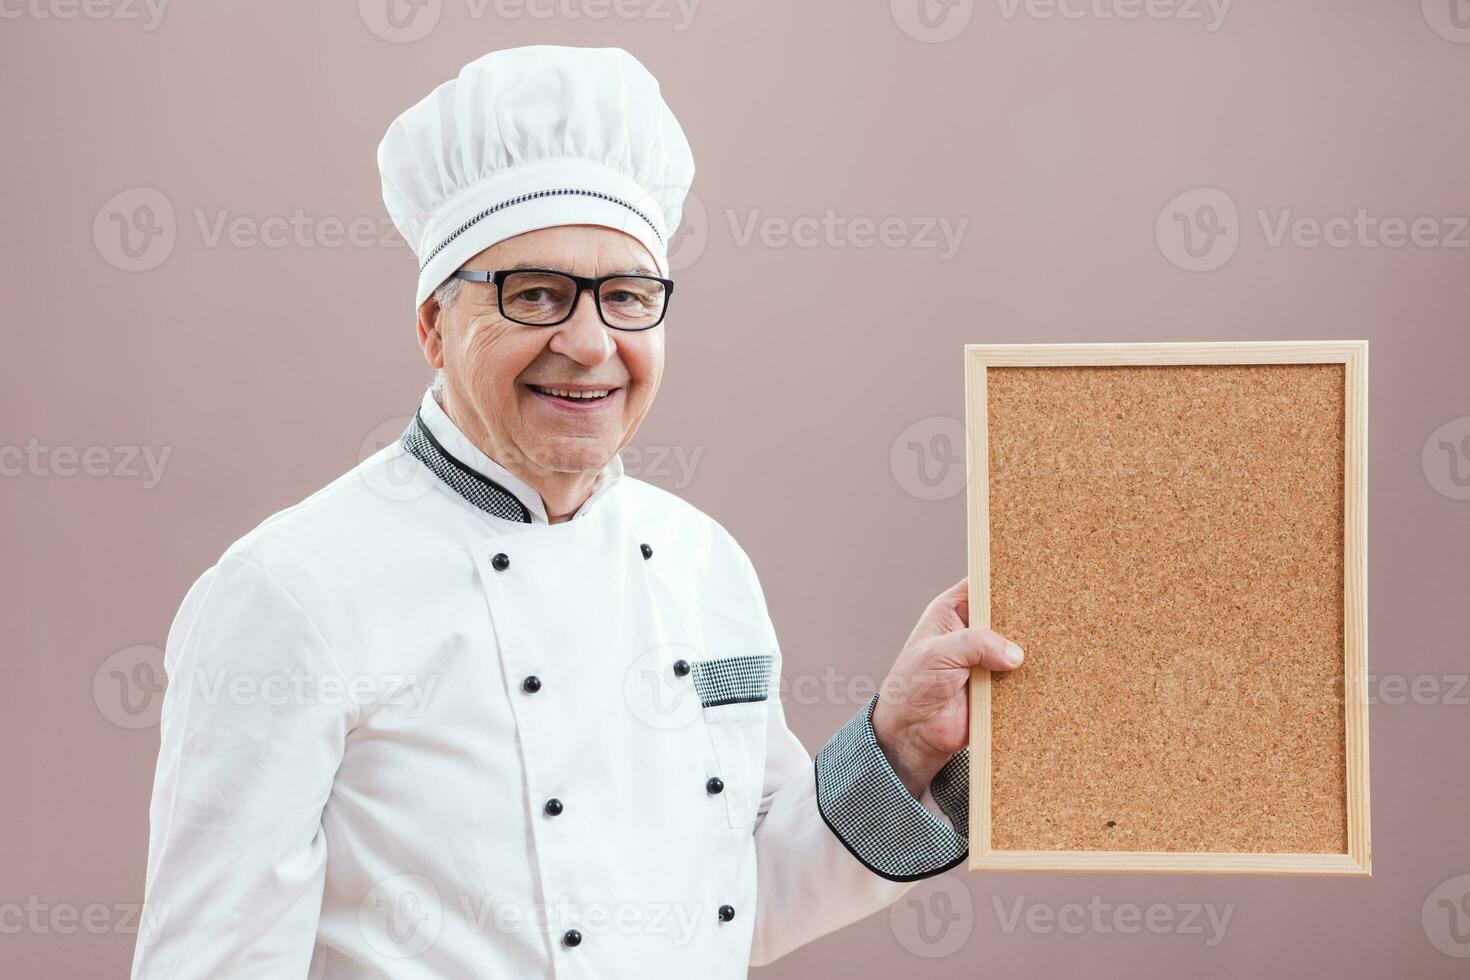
(631, 270)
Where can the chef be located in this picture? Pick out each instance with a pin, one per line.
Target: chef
(487, 707)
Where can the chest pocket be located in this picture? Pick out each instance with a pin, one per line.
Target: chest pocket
(734, 694)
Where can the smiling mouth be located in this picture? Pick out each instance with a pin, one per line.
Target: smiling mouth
(575, 396)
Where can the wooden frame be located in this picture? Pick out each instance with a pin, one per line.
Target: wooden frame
(1354, 356)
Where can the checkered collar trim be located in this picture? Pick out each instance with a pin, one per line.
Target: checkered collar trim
(475, 487)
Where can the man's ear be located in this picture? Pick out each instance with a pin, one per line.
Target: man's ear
(429, 338)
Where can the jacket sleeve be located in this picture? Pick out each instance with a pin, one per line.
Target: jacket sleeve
(841, 837)
(253, 728)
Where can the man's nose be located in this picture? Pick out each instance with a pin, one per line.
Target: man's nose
(584, 337)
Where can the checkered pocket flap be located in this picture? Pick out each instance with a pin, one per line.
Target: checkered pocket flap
(733, 680)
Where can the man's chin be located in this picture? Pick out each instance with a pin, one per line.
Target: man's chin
(573, 454)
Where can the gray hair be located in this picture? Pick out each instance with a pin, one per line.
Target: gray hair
(444, 294)
(447, 291)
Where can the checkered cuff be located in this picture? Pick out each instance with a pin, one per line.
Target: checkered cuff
(951, 790)
(876, 817)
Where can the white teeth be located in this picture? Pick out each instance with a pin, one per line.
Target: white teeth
(565, 393)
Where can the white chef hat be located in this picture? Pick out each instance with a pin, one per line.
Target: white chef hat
(529, 138)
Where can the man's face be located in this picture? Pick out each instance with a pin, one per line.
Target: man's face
(498, 372)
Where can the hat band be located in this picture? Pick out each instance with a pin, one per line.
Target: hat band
(521, 199)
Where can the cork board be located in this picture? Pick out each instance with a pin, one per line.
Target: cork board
(1174, 533)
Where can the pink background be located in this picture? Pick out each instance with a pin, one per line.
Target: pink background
(794, 372)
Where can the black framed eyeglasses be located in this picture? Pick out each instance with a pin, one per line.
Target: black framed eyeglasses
(547, 297)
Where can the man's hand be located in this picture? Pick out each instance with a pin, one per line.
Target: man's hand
(923, 712)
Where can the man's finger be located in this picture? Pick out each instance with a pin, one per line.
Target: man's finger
(956, 599)
(979, 647)
(960, 596)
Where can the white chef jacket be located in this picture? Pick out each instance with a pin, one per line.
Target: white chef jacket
(412, 729)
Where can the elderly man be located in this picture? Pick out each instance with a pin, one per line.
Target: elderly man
(487, 707)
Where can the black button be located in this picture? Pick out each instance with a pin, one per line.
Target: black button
(727, 912)
(647, 551)
(531, 684)
(714, 785)
(681, 667)
(500, 562)
(574, 938)
(552, 807)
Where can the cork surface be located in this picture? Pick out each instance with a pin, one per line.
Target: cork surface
(1166, 544)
